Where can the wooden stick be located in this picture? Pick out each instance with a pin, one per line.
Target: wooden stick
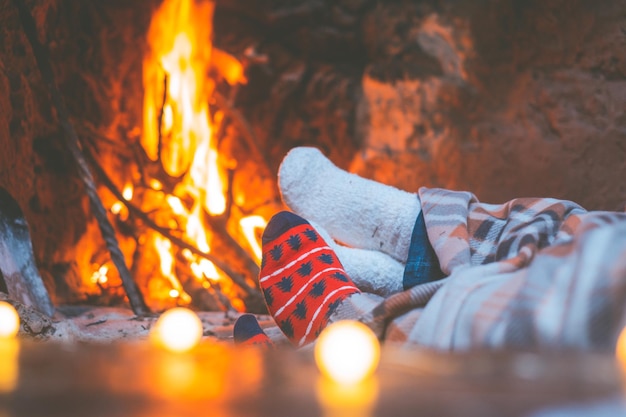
(72, 142)
(136, 211)
(160, 119)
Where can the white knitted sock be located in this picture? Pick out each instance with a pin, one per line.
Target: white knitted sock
(371, 271)
(358, 212)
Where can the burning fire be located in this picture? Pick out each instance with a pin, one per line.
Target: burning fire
(178, 132)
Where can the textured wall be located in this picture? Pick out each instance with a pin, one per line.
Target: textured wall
(505, 98)
(528, 99)
(32, 167)
(98, 69)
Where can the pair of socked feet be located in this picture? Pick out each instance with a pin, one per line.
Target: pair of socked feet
(356, 238)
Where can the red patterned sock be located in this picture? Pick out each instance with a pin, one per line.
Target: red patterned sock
(248, 332)
(301, 277)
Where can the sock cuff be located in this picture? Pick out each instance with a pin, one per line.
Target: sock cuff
(279, 224)
(422, 264)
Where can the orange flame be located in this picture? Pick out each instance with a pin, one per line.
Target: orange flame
(164, 248)
(250, 225)
(176, 94)
(177, 127)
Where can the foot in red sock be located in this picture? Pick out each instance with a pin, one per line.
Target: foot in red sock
(301, 277)
(248, 332)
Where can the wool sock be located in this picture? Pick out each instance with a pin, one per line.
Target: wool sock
(248, 332)
(301, 277)
(371, 271)
(356, 211)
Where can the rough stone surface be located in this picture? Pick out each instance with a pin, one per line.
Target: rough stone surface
(90, 324)
(34, 324)
(530, 100)
(505, 99)
(110, 324)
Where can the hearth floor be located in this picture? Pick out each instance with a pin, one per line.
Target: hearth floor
(125, 375)
(111, 324)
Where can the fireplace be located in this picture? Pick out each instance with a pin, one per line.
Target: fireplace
(500, 98)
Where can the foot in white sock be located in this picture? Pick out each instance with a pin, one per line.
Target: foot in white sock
(356, 211)
(371, 271)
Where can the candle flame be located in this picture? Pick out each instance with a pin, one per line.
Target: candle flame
(620, 349)
(9, 320)
(347, 352)
(177, 330)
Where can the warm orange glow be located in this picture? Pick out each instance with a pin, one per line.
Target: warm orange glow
(178, 132)
(347, 352)
(117, 207)
(352, 400)
(230, 68)
(164, 248)
(205, 269)
(196, 231)
(9, 321)
(250, 225)
(9, 365)
(620, 349)
(178, 330)
(100, 276)
(205, 173)
(176, 205)
(180, 52)
(156, 185)
(128, 192)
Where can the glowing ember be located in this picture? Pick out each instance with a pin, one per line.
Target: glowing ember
(156, 184)
(9, 320)
(347, 352)
(128, 192)
(178, 330)
(176, 205)
(100, 276)
(117, 207)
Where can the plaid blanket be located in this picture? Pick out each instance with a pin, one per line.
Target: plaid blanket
(531, 273)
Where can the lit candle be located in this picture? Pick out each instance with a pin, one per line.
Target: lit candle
(351, 400)
(178, 330)
(9, 320)
(347, 352)
(620, 350)
(9, 365)
(9, 347)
